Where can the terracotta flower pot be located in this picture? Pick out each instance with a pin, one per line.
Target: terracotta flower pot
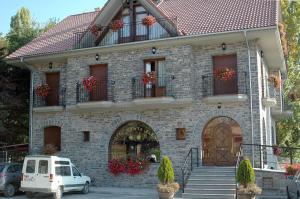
(246, 196)
(166, 195)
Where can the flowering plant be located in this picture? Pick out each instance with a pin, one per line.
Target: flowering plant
(149, 20)
(291, 169)
(116, 25)
(130, 166)
(89, 83)
(42, 90)
(277, 151)
(95, 29)
(149, 78)
(225, 73)
(275, 80)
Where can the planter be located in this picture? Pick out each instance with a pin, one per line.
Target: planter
(165, 195)
(116, 25)
(246, 196)
(149, 20)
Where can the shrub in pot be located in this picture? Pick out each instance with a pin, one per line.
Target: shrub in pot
(246, 178)
(167, 187)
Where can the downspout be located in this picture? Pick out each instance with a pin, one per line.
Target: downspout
(30, 103)
(251, 99)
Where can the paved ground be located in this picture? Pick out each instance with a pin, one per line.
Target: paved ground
(104, 193)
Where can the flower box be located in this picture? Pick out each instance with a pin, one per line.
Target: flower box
(149, 20)
(116, 25)
(225, 73)
(42, 90)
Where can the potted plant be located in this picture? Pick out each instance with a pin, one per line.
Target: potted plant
(89, 83)
(149, 20)
(42, 90)
(291, 170)
(116, 25)
(225, 73)
(96, 29)
(246, 178)
(167, 187)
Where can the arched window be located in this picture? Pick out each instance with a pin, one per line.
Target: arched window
(52, 136)
(134, 140)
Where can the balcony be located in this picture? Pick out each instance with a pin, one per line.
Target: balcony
(217, 91)
(96, 98)
(284, 110)
(133, 32)
(53, 102)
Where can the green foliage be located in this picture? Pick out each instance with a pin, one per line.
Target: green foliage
(288, 130)
(245, 173)
(165, 171)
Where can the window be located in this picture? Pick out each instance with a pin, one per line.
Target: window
(86, 136)
(63, 171)
(62, 162)
(135, 140)
(75, 172)
(43, 167)
(52, 137)
(30, 167)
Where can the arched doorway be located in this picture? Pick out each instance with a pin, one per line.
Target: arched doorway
(221, 139)
(134, 139)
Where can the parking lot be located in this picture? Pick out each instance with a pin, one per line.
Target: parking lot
(104, 193)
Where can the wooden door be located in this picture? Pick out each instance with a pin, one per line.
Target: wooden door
(99, 92)
(217, 146)
(158, 88)
(223, 87)
(52, 135)
(52, 79)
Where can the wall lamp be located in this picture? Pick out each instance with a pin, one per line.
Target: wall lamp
(50, 65)
(97, 57)
(153, 50)
(262, 53)
(224, 46)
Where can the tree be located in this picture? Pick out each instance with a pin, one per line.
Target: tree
(165, 171)
(288, 130)
(245, 173)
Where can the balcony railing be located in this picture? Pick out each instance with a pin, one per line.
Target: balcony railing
(237, 85)
(161, 87)
(131, 32)
(98, 93)
(52, 99)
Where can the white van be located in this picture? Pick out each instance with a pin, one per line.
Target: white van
(51, 174)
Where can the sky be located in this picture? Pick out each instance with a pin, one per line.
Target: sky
(42, 10)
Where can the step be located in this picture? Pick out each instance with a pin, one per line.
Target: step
(213, 171)
(210, 181)
(200, 176)
(208, 196)
(208, 186)
(270, 197)
(210, 191)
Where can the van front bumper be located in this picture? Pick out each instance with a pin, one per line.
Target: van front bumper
(36, 190)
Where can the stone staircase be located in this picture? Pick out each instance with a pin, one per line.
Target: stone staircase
(211, 183)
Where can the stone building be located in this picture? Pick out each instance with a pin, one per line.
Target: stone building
(143, 79)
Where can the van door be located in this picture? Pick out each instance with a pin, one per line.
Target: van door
(78, 179)
(29, 171)
(43, 174)
(63, 172)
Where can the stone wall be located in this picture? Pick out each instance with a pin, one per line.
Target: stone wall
(187, 64)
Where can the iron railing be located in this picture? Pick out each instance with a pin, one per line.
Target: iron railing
(208, 85)
(188, 166)
(161, 87)
(52, 99)
(131, 32)
(100, 92)
(273, 157)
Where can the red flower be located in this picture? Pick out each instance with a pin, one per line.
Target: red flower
(89, 83)
(131, 167)
(149, 20)
(95, 29)
(291, 169)
(277, 151)
(116, 167)
(224, 73)
(42, 90)
(149, 78)
(116, 25)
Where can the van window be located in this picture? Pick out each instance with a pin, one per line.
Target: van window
(62, 162)
(43, 167)
(30, 167)
(75, 172)
(63, 171)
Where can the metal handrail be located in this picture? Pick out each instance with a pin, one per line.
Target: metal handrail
(186, 166)
(239, 158)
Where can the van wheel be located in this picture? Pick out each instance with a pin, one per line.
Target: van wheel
(86, 188)
(29, 194)
(58, 194)
(9, 190)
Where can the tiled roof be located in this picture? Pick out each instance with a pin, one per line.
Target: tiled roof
(194, 17)
(58, 39)
(211, 16)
